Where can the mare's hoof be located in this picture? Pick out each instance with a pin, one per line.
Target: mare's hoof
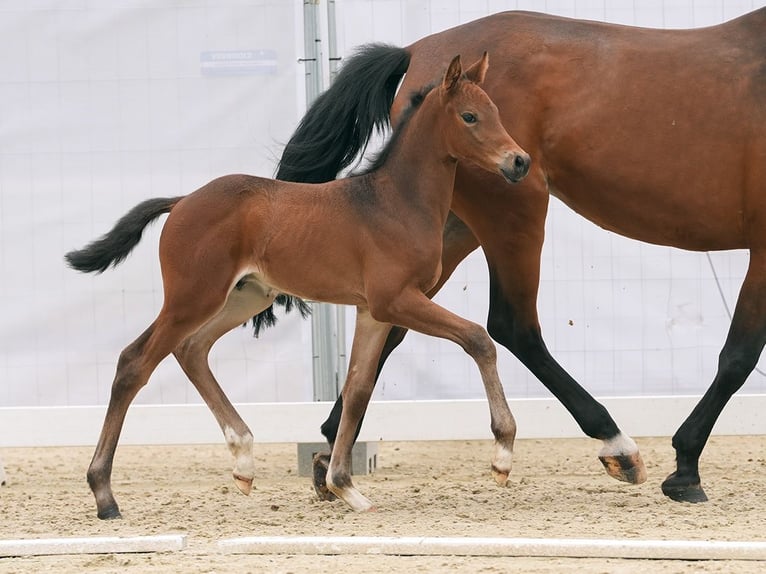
(625, 467)
(320, 465)
(110, 513)
(245, 485)
(680, 491)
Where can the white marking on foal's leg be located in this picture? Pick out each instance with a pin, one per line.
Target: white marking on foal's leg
(501, 463)
(622, 460)
(241, 446)
(348, 493)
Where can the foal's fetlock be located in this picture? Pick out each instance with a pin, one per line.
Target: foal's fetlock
(501, 464)
(241, 446)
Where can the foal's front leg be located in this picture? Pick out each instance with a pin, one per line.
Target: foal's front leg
(414, 310)
(369, 338)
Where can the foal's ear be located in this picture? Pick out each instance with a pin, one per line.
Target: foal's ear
(478, 69)
(454, 71)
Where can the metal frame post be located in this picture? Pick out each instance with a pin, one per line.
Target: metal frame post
(328, 322)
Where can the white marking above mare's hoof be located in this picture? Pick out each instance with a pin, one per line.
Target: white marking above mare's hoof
(620, 445)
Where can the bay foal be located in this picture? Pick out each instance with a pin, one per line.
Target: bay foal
(373, 240)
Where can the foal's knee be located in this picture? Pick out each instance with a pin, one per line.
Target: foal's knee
(478, 344)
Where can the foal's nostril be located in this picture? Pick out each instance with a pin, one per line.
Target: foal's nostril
(515, 166)
(521, 164)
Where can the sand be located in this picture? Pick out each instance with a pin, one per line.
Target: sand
(557, 490)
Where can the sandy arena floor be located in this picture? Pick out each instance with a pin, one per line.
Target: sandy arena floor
(557, 489)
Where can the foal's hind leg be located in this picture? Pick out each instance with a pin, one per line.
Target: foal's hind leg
(245, 301)
(740, 353)
(136, 364)
(369, 337)
(412, 309)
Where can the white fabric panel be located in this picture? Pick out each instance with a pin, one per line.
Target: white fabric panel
(106, 103)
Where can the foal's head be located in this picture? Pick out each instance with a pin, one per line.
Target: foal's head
(473, 130)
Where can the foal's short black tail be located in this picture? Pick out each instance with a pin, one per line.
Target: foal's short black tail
(115, 246)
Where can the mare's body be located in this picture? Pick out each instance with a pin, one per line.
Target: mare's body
(658, 135)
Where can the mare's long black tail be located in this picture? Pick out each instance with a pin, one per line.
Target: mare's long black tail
(337, 128)
(112, 249)
(339, 124)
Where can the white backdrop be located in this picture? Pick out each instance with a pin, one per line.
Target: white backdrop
(105, 103)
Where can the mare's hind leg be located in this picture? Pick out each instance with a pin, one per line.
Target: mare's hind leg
(135, 365)
(458, 243)
(245, 300)
(412, 309)
(369, 337)
(740, 353)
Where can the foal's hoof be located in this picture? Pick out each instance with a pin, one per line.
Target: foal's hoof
(500, 476)
(683, 491)
(625, 467)
(245, 485)
(320, 464)
(110, 513)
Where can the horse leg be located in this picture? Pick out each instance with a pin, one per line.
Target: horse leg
(414, 310)
(511, 325)
(740, 353)
(136, 363)
(245, 301)
(458, 243)
(513, 244)
(369, 337)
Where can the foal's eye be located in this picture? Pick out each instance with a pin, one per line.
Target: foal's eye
(468, 117)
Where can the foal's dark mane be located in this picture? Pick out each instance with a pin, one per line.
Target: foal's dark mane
(380, 158)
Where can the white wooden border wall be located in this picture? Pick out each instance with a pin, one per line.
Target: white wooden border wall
(385, 420)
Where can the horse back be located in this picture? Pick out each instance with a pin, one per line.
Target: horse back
(618, 118)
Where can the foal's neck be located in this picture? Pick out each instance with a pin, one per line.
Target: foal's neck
(419, 166)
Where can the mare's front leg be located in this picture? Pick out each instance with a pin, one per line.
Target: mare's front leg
(246, 300)
(369, 337)
(738, 358)
(511, 229)
(414, 310)
(458, 243)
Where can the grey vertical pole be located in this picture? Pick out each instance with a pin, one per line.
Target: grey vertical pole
(340, 310)
(328, 322)
(313, 46)
(325, 319)
(332, 40)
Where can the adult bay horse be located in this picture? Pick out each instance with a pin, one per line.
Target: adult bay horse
(658, 135)
(373, 241)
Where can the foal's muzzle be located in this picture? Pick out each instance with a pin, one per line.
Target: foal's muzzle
(515, 167)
